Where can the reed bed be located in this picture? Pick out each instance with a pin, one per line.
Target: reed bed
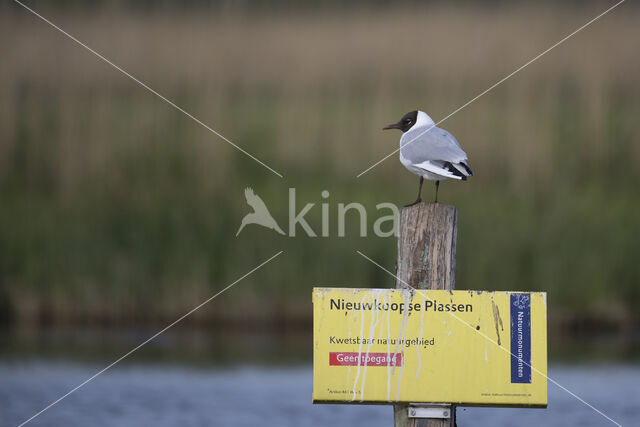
(116, 207)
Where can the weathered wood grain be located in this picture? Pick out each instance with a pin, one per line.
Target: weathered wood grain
(426, 260)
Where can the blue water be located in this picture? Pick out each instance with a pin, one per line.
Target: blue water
(174, 395)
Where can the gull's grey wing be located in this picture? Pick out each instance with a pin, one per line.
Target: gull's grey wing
(434, 144)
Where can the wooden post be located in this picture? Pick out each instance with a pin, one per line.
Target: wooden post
(426, 260)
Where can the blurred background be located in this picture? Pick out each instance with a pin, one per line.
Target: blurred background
(118, 213)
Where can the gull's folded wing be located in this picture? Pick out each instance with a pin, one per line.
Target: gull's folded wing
(423, 144)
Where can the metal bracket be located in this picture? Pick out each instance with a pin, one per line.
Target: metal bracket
(430, 410)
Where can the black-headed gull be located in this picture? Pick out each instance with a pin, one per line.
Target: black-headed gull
(430, 152)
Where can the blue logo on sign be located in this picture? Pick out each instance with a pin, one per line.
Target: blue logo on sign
(521, 338)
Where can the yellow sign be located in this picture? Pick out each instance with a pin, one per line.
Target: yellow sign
(412, 346)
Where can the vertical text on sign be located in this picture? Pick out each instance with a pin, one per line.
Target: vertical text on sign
(520, 305)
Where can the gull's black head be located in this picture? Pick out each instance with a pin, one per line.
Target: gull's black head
(405, 123)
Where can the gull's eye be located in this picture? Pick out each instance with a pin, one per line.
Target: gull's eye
(407, 121)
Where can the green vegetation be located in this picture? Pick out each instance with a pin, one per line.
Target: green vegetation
(116, 207)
